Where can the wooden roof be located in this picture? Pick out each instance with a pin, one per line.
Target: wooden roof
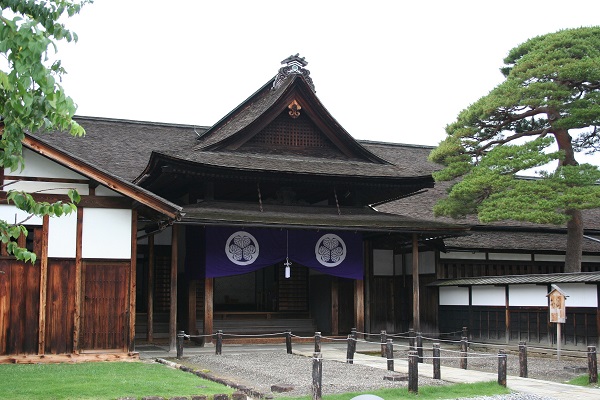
(576, 277)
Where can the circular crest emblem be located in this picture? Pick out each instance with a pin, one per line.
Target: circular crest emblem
(330, 250)
(242, 248)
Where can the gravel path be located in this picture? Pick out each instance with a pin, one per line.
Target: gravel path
(261, 370)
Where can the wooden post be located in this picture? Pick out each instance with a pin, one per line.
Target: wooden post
(463, 353)
(208, 308)
(350, 351)
(44, 287)
(180, 336)
(317, 342)
(192, 330)
(383, 340)
(288, 342)
(317, 376)
(465, 332)
(501, 368)
(412, 343)
(436, 361)
(415, 280)
(150, 299)
(219, 345)
(592, 364)
(523, 359)
(335, 315)
(413, 372)
(359, 305)
(78, 282)
(420, 346)
(558, 340)
(389, 354)
(130, 342)
(173, 309)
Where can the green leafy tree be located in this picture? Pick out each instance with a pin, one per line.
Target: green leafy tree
(546, 110)
(31, 99)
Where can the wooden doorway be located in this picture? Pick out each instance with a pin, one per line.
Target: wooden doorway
(105, 313)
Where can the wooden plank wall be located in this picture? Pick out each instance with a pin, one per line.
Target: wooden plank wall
(60, 306)
(453, 269)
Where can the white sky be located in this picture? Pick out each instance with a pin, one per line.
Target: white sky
(394, 71)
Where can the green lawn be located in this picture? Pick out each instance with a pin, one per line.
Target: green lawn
(583, 380)
(427, 392)
(100, 380)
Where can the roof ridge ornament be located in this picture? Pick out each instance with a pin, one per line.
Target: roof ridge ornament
(294, 65)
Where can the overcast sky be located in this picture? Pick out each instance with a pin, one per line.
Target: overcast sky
(394, 71)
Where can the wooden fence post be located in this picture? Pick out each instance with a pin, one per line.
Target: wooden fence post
(411, 339)
(389, 354)
(353, 333)
(413, 371)
(436, 361)
(420, 346)
(288, 341)
(592, 364)
(350, 351)
(502, 368)
(180, 336)
(383, 341)
(317, 376)
(465, 332)
(523, 359)
(219, 345)
(463, 352)
(317, 342)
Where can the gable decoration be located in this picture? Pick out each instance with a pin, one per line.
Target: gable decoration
(237, 250)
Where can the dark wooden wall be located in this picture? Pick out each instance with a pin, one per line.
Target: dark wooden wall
(60, 306)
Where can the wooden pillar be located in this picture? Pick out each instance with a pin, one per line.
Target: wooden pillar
(335, 330)
(150, 299)
(415, 279)
(208, 308)
(132, 283)
(78, 282)
(368, 268)
(173, 311)
(507, 316)
(192, 307)
(359, 305)
(43, 286)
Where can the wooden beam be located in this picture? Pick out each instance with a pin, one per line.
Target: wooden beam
(173, 311)
(415, 279)
(359, 305)
(130, 343)
(78, 282)
(368, 267)
(192, 307)
(335, 300)
(150, 299)
(208, 308)
(67, 358)
(43, 286)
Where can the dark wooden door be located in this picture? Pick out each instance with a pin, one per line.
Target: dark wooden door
(105, 311)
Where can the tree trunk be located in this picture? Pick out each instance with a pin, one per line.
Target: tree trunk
(574, 241)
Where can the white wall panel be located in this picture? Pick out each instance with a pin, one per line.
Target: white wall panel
(550, 257)
(580, 294)
(10, 214)
(398, 263)
(462, 255)
(383, 262)
(104, 191)
(454, 296)
(590, 259)
(39, 166)
(488, 295)
(509, 256)
(426, 263)
(106, 233)
(62, 236)
(527, 295)
(48, 187)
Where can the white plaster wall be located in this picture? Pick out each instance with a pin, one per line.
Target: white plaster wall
(580, 294)
(527, 295)
(48, 187)
(39, 166)
(8, 213)
(383, 262)
(104, 191)
(488, 295)
(509, 256)
(161, 238)
(106, 233)
(590, 259)
(454, 296)
(550, 257)
(398, 263)
(62, 236)
(462, 255)
(426, 263)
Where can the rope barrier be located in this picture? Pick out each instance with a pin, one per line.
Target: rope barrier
(256, 335)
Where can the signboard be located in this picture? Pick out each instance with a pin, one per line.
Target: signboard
(557, 305)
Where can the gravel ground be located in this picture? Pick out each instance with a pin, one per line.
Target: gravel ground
(260, 371)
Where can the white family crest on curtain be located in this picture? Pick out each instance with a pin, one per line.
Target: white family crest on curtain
(330, 250)
(242, 248)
